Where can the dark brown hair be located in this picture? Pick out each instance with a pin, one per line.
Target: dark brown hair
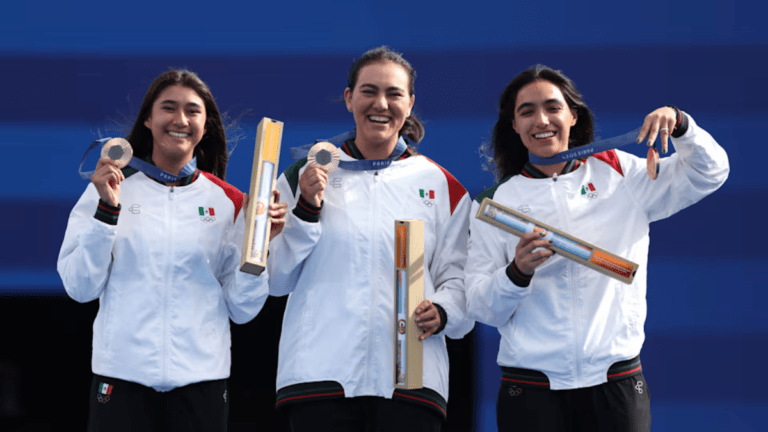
(509, 154)
(211, 152)
(412, 128)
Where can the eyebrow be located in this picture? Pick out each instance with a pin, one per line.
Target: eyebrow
(374, 87)
(546, 102)
(173, 102)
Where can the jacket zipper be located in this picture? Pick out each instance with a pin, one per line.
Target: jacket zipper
(374, 273)
(169, 275)
(572, 287)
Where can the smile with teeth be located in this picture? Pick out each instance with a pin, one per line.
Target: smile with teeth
(544, 135)
(177, 134)
(377, 119)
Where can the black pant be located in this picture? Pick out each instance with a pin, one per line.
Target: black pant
(617, 405)
(361, 414)
(118, 405)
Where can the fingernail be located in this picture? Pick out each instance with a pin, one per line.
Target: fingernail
(550, 242)
(541, 233)
(638, 140)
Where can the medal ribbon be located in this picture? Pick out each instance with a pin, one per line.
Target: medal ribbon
(587, 150)
(146, 168)
(356, 165)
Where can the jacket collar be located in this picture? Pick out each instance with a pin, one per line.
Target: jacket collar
(352, 151)
(533, 172)
(185, 181)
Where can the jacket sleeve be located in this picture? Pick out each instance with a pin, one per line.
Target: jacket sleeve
(244, 293)
(492, 298)
(447, 269)
(289, 249)
(697, 168)
(85, 257)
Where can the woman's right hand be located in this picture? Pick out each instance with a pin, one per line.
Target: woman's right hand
(107, 178)
(526, 256)
(312, 184)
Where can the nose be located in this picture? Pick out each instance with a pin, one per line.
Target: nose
(380, 102)
(180, 118)
(542, 119)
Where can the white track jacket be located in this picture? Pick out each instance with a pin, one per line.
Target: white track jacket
(166, 277)
(339, 272)
(572, 323)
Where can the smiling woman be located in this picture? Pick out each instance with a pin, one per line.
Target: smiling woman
(166, 275)
(336, 260)
(177, 122)
(178, 102)
(380, 101)
(543, 119)
(571, 337)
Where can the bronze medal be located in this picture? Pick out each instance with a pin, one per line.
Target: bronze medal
(653, 163)
(324, 154)
(119, 150)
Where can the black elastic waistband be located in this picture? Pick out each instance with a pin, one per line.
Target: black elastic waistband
(321, 390)
(617, 371)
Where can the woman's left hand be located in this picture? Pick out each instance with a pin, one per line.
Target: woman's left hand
(660, 121)
(427, 319)
(277, 212)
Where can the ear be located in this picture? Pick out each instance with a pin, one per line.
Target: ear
(348, 99)
(575, 117)
(410, 105)
(514, 126)
(146, 123)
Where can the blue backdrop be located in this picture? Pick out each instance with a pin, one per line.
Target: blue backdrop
(73, 71)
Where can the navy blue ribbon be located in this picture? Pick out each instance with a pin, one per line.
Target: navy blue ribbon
(356, 165)
(587, 150)
(146, 168)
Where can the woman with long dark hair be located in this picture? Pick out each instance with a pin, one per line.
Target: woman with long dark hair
(571, 336)
(161, 250)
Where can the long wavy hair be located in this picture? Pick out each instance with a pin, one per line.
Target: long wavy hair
(508, 154)
(211, 151)
(412, 128)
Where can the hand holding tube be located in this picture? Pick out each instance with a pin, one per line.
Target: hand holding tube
(531, 251)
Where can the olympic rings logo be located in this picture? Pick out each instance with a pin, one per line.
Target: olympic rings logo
(102, 398)
(639, 387)
(428, 203)
(515, 391)
(208, 219)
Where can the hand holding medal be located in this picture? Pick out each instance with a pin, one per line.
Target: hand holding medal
(322, 158)
(115, 155)
(660, 122)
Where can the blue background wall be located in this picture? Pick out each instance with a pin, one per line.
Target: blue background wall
(70, 70)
